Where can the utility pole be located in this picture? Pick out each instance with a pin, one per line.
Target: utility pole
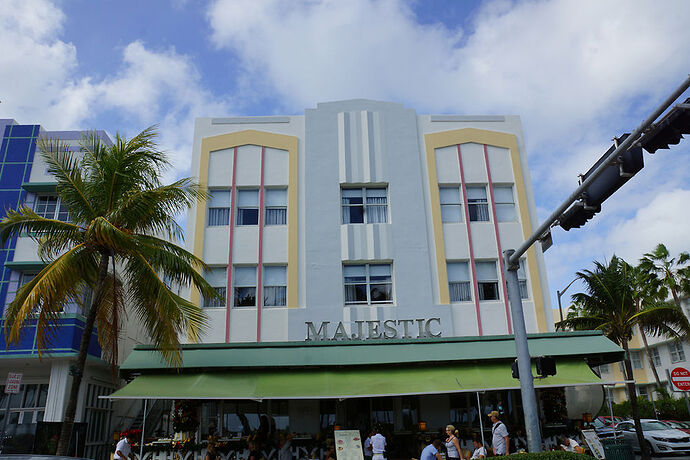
(605, 188)
(560, 293)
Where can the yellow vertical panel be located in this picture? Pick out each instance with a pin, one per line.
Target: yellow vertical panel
(497, 139)
(264, 139)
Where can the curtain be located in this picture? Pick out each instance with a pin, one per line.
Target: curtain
(218, 216)
(275, 296)
(276, 216)
(460, 291)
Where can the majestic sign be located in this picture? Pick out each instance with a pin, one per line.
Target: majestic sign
(680, 378)
(386, 329)
(14, 381)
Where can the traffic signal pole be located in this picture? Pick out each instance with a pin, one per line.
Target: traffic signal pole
(512, 260)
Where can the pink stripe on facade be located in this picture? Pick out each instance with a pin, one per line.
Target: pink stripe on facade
(259, 282)
(498, 239)
(228, 289)
(469, 241)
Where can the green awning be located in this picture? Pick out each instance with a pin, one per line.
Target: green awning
(590, 345)
(348, 382)
(39, 187)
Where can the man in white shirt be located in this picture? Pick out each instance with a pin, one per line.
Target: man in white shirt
(568, 444)
(499, 431)
(378, 446)
(479, 450)
(123, 451)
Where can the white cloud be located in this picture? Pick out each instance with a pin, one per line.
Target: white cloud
(41, 83)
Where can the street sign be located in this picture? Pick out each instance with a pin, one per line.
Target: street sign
(680, 378)
(14, 380)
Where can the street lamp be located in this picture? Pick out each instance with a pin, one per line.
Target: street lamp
(560, 293)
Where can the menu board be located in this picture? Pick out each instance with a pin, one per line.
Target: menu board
(348, 445)
(592, 440)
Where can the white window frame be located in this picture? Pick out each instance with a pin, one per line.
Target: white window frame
(364, 205)
(493, 281)
(461, 285)
(236, 286)
(368, 284)
(445, 217)
(218, 216)
(282, 207)
(655, 355)
(220, 287)
(676, 351)
(266, 287)
(499, 204)
(56, 214)
(522, 280)
(241, 208)
(480, 206)
(636, 359)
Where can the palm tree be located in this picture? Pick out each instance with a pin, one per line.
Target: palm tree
(120, 215)
(609, 305)
(646, 291)
(673, 273)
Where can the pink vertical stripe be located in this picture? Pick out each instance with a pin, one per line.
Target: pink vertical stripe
(259, 282)
(228, 289)
(469, 240)
(498, 240)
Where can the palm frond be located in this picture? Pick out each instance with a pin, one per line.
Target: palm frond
(25, 220)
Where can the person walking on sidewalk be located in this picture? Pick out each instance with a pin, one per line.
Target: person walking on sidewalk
(499, 440)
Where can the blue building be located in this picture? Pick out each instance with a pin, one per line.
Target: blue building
(46, 380)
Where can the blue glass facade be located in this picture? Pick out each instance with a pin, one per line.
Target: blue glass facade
(17, 153)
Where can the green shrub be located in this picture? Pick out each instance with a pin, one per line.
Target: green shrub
(552, 455)
(667, 408)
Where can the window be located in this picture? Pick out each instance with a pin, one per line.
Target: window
(636, 358)
(219, 208)
(27, 406)
(656, 358)
(677, 352)
(276, 206)
(51, 207)
(275, 286)
(487, 280)
(245, 287)
(477, 204)
(642, 391)
(25, 277)
(248, 207)
(604, 369)
(459, 282)
(368, 283)
(218, 278)
(367, 205)
(451, 207)
(522, 280)
(505, 203)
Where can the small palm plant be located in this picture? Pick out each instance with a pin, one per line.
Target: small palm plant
(609, 305)
(115, 246)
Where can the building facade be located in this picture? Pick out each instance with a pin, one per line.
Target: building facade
(362, 220)
(46, 380)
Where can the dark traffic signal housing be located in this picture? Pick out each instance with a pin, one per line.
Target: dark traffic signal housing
(629, 163)
(669, 130)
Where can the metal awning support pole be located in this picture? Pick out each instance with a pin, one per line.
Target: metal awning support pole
(512, 261)
(143, 431)
(481, 425)
(608, 392)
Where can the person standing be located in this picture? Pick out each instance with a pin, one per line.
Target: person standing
(430, 452)
(368, 453)
(452, 444)
(378, 445)
(123, 450)
(499, 440)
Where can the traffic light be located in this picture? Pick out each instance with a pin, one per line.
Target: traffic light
(669, 130)
(546, 365)
(629, 163)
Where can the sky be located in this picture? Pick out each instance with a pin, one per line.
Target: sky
(578, 72)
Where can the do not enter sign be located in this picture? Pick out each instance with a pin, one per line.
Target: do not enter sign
(680, 378)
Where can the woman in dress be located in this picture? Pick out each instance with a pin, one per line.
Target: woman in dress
(452, 444)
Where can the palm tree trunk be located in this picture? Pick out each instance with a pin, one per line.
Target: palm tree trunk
(632, 397)
(71, 409)
(650, 360)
